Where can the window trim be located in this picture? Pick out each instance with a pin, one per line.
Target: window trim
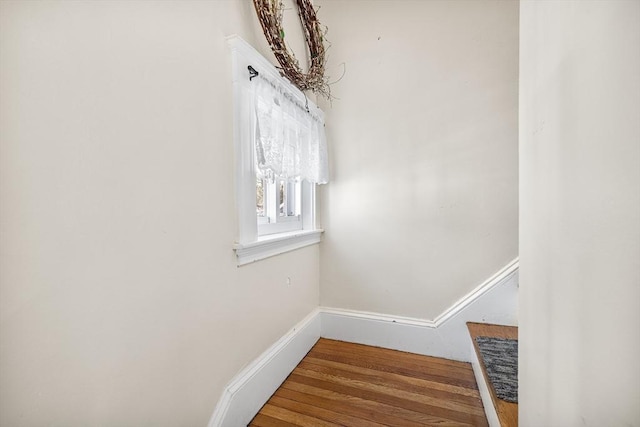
(250, 246)
(275, 244)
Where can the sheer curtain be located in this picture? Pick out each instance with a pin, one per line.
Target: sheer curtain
(290, 141)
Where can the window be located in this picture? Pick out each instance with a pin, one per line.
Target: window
(280, 157)
(278, 206)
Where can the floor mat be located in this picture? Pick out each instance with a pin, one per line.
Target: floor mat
(500, 357)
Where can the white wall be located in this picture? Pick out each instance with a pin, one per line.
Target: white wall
(120, 301)
(580, 213)
(423, 202)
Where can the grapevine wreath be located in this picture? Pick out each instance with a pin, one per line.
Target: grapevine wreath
(270, 16)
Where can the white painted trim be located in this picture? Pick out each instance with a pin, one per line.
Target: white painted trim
(449, 313)
(251, 246)
(480, 290)
(251, 388)
(367, 315)
(493, 301)
(275, 244)
(483, 388)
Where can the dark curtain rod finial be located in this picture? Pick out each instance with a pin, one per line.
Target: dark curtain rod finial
(252, 72)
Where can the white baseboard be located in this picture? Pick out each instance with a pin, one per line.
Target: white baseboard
(485, 394)
(251, 388)
(494, 301)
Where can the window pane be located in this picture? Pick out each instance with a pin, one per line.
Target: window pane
(292, 197)
(260, 197)
(282, 209)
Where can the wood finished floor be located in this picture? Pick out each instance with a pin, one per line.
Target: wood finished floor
(344, 384)
(507, 411)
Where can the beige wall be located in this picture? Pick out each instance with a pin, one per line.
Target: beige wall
(423, 203)
(580, 214)
(120, 301)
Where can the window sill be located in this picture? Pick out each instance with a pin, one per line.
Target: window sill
(275, 244)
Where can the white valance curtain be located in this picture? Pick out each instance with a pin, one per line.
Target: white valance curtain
(290, 141)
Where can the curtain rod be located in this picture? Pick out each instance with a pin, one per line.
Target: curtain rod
(254, 73)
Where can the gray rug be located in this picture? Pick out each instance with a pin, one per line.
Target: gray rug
(500, 357)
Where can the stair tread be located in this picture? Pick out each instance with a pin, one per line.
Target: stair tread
(507, 411)
(491, 330)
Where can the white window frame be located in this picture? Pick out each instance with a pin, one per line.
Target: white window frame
(273, 222)
(253, 244)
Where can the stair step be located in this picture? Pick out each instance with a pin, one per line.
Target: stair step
(500, 413)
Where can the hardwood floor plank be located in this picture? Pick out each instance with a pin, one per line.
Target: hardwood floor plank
(294, 417)
(488, 330)
(366, 409)
(390, 399)
(435, 369)
(465, 391)
(394, 367)
(322, 413)
(384, 389)
(384, 355)
(353, 385)
(262, 420)
(325, 343)
(391, 381)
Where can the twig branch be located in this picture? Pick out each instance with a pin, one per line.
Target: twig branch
(270, 16)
